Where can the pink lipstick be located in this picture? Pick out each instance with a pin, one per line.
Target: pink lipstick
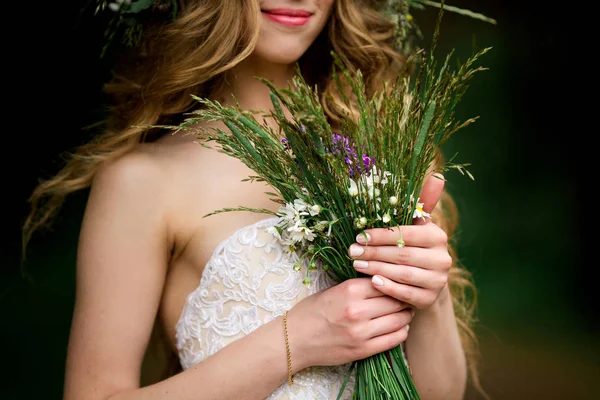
(288, 16)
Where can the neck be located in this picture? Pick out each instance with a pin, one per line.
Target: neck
(241, 82)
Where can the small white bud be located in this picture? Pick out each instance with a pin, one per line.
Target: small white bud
(315, 209)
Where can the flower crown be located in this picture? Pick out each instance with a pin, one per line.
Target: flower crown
(128, 17)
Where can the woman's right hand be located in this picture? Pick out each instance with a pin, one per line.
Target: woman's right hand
(346, 322)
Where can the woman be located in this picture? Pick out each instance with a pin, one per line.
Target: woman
(217, 287)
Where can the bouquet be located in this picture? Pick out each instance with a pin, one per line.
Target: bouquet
(332, 184)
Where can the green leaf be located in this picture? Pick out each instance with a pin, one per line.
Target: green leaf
(243, 141)
(140, 5)
(422, 135)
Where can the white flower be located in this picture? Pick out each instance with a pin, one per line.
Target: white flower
(386, 175)
(321, 226)
(289, 247)
(300, 232)
(314, 210)
(374, 192)
(371, 183)
(419, 213)
(117, 6)
(360, 222)
(374, 177)
(288, 214)
(386, 218)
(393, 200)
(353, 189)
(301, 206)
(274, 231)
(377, 177)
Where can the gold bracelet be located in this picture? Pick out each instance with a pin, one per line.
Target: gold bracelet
(287, 350)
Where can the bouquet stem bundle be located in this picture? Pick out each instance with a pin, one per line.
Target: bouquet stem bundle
(332, 184)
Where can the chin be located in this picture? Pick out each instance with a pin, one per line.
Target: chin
(280, 51)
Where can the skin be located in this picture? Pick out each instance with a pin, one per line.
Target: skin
(144, 243)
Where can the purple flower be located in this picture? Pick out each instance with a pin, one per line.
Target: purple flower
(342, 145)
(368, 162)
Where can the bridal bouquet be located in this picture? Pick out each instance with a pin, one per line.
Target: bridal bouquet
(332, 184)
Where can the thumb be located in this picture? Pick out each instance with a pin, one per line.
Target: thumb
(430, 194)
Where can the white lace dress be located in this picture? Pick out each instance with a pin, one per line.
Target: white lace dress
(249, 281)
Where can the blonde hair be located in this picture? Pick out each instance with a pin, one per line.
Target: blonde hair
(189, 56)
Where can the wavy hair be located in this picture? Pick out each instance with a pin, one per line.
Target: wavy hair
(189, 55)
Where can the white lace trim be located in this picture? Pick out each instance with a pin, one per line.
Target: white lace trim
(249, 281)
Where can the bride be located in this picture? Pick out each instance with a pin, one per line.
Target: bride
(216, 289)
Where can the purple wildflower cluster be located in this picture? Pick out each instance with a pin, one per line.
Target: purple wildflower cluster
(342, 145)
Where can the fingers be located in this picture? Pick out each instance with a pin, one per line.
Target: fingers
(418, 297)
(390, 323)
(409, 275)
(429, 235)
(411, 256)
(430, 194)
(379, 306)
(381, 343)
(357, 289)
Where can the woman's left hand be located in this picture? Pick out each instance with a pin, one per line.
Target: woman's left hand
(415, 273)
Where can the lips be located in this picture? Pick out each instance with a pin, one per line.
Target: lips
(288, 16)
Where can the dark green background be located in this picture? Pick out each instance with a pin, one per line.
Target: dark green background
(522, 219)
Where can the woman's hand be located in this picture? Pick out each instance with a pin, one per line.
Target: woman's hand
(415, 273)
(347, 322)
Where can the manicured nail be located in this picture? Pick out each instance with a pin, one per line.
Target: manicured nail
(361, 264)
(360, 238)
(356, 251)
(377, 281)
(413, 313)
(407, 328)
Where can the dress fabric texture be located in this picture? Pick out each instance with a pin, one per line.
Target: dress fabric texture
(249, 281)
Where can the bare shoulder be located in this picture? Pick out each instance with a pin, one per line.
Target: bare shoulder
(139, 169)
(147, 172)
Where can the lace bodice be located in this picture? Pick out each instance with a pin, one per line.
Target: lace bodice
(249, 281)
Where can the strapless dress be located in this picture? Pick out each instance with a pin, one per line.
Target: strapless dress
(249, 281)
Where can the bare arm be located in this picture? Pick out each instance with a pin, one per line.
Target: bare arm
(435, 353)
(122, 264)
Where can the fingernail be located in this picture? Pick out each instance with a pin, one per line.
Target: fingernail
(377, 281)
(356, 251)
(407, 328)
(413, 313)
(360, 238)
(360, 264)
